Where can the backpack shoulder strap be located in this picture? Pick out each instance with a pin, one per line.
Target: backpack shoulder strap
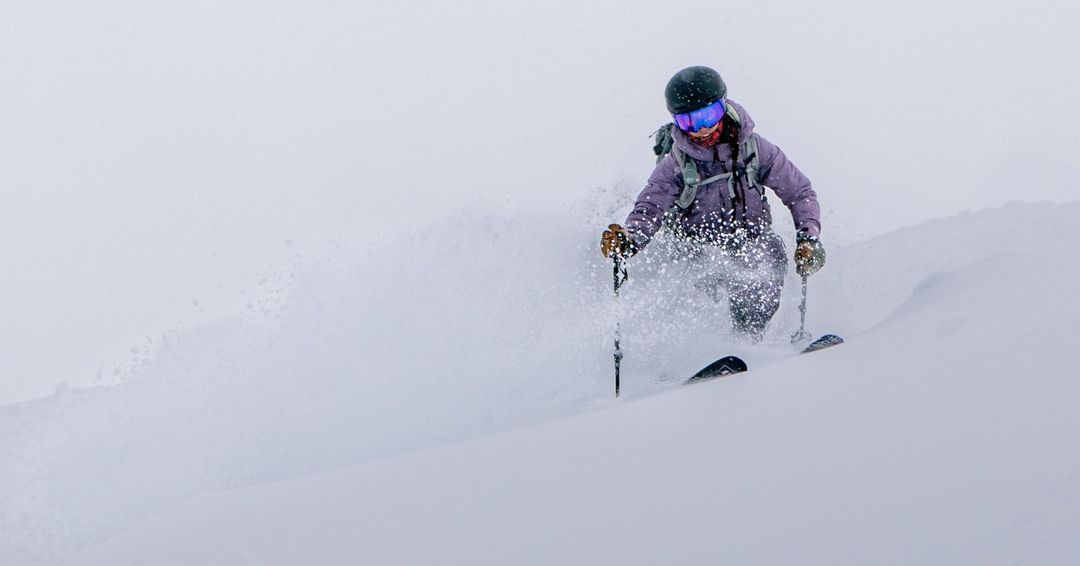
(752, 162)
(691, 179)
(665, 144)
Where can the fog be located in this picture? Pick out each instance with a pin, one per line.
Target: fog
(158, 161)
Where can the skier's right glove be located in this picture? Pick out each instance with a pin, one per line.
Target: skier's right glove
(615, 241)
(809, 255)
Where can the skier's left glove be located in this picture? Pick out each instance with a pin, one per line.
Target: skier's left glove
(809, 255)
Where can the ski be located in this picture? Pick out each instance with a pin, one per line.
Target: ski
(728, 365)
(825, 341)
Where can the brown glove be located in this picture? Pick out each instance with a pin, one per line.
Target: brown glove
(616, 241)
(809, 256)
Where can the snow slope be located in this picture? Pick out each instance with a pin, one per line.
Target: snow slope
(943, 432)
(205, 215)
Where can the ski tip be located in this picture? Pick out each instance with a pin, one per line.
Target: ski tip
(825, 341)
(727, 365)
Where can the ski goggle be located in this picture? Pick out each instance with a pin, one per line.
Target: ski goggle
(702, 118)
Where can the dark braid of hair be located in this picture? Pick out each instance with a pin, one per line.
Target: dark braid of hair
(731, 136)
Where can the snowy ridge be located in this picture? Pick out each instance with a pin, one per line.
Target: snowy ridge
(910, 440)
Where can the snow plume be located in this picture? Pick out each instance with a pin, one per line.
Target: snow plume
(422, 335)
(368, 346)
(938, 434)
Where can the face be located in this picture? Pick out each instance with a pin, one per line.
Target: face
(703, 133)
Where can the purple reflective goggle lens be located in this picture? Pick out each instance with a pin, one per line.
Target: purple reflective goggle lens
(703, 118)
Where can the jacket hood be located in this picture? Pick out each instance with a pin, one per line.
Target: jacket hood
(722, 151)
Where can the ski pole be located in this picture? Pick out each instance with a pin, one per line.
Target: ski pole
(619, 276)
(802, 334)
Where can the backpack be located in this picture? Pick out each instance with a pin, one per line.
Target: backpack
(749, 166)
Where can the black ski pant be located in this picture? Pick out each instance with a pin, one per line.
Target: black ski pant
(750, 275)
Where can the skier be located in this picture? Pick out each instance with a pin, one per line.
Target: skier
(708, 191)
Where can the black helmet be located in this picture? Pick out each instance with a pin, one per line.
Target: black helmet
(693, 88)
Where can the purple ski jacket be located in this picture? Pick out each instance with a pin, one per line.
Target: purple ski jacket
(714, 212)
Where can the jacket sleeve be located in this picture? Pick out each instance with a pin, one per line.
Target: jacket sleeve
(780, 174)
(659, 195)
